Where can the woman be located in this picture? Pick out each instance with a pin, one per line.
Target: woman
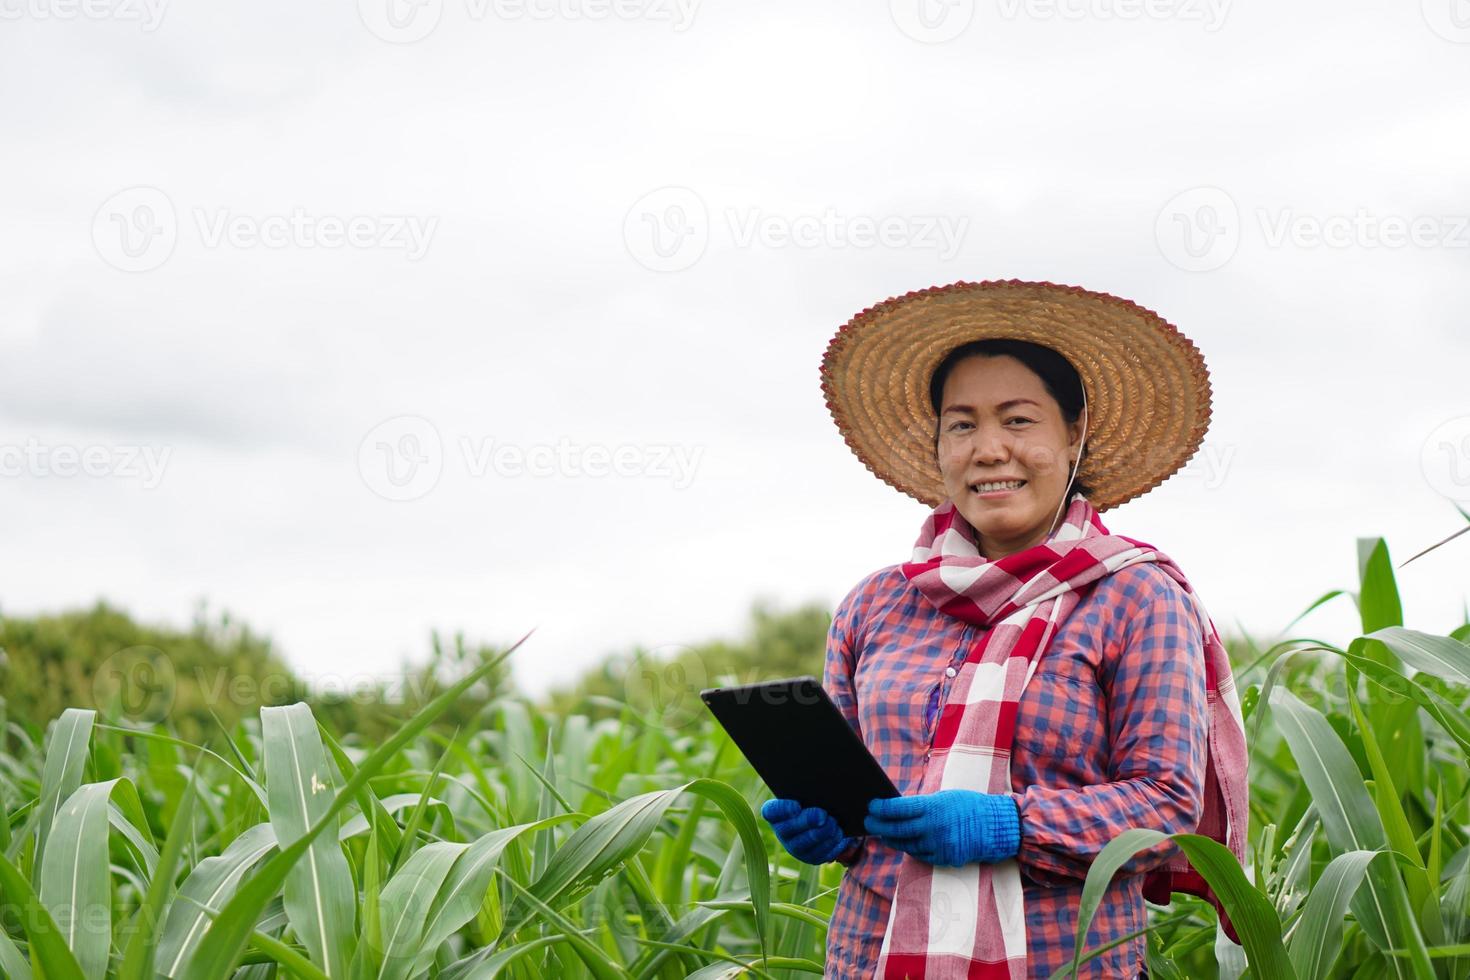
(1033, 684)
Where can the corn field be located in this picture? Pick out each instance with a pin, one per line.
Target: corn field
(538, 846)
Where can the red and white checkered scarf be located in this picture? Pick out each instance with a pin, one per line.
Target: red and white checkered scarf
(969, 922)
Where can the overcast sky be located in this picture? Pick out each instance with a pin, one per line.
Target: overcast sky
(361, 319)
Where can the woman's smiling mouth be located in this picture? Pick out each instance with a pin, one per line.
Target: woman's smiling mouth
(996, 488)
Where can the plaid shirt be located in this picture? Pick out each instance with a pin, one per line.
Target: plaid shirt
(1110, 734)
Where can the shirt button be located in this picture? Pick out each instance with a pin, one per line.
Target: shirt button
(950, 672)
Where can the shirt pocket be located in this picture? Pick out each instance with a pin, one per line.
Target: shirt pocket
(1059, 721)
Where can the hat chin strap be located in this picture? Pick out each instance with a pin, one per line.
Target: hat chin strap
(1076, 463)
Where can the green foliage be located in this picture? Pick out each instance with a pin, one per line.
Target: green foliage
(473, 834)
(138, 675)
(134, 673)
(777, 644)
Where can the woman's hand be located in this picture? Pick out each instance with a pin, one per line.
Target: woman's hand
(809, 834)
(951, 827)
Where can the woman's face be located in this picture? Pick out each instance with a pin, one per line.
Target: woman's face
(997, 422)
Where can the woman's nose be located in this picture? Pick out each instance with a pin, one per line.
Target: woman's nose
(990, 446)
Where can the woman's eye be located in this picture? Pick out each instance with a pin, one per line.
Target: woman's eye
(1019, 419)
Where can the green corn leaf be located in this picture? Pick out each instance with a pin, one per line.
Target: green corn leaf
(406, 902)
(465, 887)
(492, 966)
(1351, 823)
(1252, 915)
(49, 952)
(1317, 936)
(290, 960)
(598, 962)
(368, 957)
(210, 885)
(1441, 656)
(612, 837)
(1391, 811)
(321, 898)
(13, 964)
(138, 958)
(396, 803)
(76, 882)
(228, 933)
(416, 818)
(1454, 721)
(66, 758)
(367, 801)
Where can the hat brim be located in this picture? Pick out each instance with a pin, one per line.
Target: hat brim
(1148, 390)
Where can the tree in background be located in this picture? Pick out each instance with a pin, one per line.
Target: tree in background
(137, 674)
(665, 682)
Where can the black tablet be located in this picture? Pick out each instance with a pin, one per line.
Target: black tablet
(803, 748)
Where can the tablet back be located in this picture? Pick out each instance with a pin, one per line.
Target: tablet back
(803, 748)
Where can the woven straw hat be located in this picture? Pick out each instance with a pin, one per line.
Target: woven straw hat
(1148, 390)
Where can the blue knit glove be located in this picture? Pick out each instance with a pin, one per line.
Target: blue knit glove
(809, 834)
(951, 827)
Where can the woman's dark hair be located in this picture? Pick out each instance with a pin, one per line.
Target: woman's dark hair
(1056, 373)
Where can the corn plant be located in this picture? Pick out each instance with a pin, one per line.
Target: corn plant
(534, 844)
(1364, 761)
